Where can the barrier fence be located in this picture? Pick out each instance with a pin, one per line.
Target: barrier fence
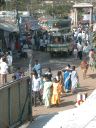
(15, 103)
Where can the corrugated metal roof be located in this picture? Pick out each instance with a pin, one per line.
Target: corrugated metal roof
(9, 27)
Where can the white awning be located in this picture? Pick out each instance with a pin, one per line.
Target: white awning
(82, 5)
(9, 27)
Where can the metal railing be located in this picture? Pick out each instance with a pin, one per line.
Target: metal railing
(15, 103)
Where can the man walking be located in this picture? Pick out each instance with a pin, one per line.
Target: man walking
(9, 61)
(3, 70)
(38, 68)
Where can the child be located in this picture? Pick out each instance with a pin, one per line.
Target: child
(18, 74)
(57, 87)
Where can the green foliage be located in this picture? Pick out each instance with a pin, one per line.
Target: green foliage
(59, 11)
(2, 3)
(80, 13)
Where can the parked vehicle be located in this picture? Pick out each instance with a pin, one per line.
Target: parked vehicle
(60, 44)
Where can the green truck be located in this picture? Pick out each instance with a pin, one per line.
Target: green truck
(60, 44)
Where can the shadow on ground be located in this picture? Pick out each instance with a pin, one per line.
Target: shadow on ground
(84, 89)
(68, 103)
(93, 76)
(40, 121)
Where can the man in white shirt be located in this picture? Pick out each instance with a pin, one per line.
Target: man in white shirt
(33, 43)
(42, 45)
(79, 37)
(36, 86)
(3, 71)
(75, 35)
(80, 48)
(83, 36)
(46, 42)
(9, 61)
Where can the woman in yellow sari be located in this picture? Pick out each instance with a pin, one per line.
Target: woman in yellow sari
(57, 88)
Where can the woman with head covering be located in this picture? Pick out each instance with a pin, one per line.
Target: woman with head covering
(67, 80)
(74, 79)
(49, 74)
(59, 78)
(57, 87)
(47, 92)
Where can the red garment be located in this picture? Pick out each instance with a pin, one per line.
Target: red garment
(84, 64)
(17, 45)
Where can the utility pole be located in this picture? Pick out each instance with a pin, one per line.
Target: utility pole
(17, 14)
(18, 18)
(30, 63)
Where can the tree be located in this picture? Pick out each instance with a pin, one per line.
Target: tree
(2, 4)
(59, 10)
(2, 1)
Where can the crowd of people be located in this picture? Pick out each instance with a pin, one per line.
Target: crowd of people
(84, 49)
(48, 89)
(6, 67)
(38, 41)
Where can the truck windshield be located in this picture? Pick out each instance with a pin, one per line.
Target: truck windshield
(61, 39)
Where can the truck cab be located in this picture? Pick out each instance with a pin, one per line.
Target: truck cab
(60, 44)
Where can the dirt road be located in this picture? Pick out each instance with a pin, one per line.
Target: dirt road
(67, 101)
(57, 63)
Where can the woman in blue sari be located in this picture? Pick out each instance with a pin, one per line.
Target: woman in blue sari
(67, 79)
